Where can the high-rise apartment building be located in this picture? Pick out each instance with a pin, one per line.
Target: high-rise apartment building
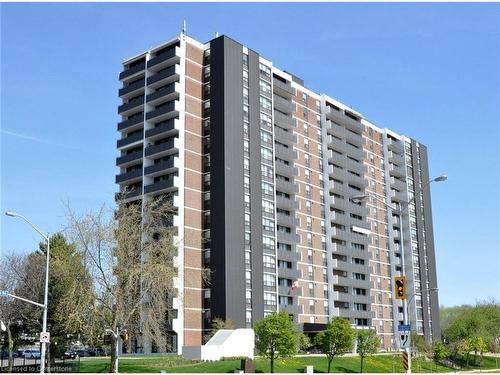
(261, 170)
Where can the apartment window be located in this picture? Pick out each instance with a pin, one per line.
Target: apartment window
(269, 298)
(266, 153)
(264, 70)
(267, 224)
(267, 206)
(267, 170)
(265, 121)
(269, 280)
(267, 188)
(359, 276)
(265, 87)
(248, 297)
(269, 261)
(265, 103)
(248, 258)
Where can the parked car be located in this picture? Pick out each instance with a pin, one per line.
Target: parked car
(82, 353)
(70, 354)
(30, 353)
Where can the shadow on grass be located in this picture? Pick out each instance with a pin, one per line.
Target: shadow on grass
(344, 369)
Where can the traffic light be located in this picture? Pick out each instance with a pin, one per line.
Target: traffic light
(400, 282)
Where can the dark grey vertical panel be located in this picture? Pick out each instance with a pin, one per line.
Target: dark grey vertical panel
(420, 225)
(217, 177)
(233, 182)
(255, 188)
(430, 252)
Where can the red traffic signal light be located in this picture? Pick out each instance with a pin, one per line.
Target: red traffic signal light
(400, 283)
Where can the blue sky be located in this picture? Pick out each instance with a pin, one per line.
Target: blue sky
(430, 71)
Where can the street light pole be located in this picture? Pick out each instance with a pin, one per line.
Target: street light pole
(43, 353)
(359, 198)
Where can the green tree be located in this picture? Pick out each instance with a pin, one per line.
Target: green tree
(336, 340)
(276, 337)
(367, 344)
(304, 343)
(70, 287)
(440, 351)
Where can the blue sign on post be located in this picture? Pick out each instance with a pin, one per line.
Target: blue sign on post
(404, 328)
(4, 293)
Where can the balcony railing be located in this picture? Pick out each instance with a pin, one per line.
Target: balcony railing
(163, 166)
(128, 176)
(165, 184)
(162, 57)
(129, 140)
(131, 71)
(166, 127)
(129, 157)
(130, 88)
(155, 149)
(162, 110)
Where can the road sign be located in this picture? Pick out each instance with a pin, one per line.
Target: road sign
(4, 293)
(45, 337)
(404, 328)
(404, 340)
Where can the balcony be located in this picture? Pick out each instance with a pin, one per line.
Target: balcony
(167, 110)
(336, 144)
(131, 124)
(166, 93)
(289, 273)
(291, 309)
(339, 233)
(290, 238)
(128, 158)
(284, 89)
(288, 255)
(160, 186)
(129, 177)
(396, 170)
(337, 218)
(129, 194)
(287, 220)
(395, 145)
(355, 152)
(130, 106)
(341, 118)
(163, 167)
(398, 196)
(395, 158)
(127, 141)
(357, 167)
(165, 129)
(132, 71)
(286, 203)
(283, 105)
(288, 291)
(130, 89)
(162, 149)
(284, 153)
(398, 184)
(164, 76)
(285, 121)
(166, 58)
(285, 170)
(284, 137)
(286, 186)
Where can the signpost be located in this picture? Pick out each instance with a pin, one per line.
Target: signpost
(404, 336)
(45, 337)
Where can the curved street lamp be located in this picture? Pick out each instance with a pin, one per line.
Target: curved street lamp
(46, 294)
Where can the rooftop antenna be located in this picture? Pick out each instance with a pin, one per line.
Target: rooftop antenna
(184, 27)
(216, 34)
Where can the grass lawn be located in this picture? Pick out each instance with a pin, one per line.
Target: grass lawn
(379, 363)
